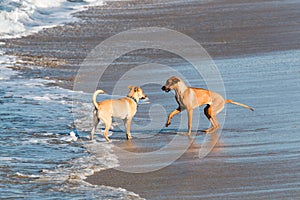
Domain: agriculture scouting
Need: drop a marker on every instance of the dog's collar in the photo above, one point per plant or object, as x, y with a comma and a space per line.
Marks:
133, 99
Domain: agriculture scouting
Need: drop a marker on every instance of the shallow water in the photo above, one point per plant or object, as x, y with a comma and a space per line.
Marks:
39, 159
256, 155
257, 151
260, 149
269, 84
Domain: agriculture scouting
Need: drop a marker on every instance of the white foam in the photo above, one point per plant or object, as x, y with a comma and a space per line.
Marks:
23, 17
71, 137
21, 175
34, 141
47, 3
100, 157
2, 159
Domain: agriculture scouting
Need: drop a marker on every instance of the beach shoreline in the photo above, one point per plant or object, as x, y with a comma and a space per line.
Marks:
224, 29
227, 29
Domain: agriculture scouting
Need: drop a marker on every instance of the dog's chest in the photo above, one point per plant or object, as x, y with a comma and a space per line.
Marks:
180, 100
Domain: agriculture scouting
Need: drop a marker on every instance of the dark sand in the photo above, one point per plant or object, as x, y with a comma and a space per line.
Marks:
223, 28
226, 29
192, 178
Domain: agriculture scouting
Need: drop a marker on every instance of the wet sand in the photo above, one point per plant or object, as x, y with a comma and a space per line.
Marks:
257, 155
211, 178
223, 28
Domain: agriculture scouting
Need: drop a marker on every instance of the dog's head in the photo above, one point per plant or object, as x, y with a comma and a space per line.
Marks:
136, 92
170, 84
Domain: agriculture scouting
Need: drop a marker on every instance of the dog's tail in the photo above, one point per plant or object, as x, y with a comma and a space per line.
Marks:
239, 104
95, 97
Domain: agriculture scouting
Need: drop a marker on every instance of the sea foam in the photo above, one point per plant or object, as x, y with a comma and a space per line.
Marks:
23, 17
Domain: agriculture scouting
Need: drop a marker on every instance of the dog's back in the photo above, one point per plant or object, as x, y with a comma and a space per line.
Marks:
118, 108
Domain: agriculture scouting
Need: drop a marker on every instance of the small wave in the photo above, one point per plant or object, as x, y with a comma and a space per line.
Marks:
99, 157
2, 159
22, 17
5, 62
36, 148
20, 175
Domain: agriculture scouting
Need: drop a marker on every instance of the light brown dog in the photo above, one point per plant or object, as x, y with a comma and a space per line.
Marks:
190, 98
123, 108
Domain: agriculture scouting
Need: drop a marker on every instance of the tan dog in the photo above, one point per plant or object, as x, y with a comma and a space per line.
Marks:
123, 108
190, 98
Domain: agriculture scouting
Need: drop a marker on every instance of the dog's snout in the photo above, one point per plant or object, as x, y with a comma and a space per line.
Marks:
164, 88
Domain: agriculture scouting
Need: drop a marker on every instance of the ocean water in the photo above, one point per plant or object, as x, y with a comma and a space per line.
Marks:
23, 17
38, 157
40, 160
268, 82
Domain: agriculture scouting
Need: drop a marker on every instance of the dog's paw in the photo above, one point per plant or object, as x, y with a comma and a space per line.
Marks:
206, 131
167, 124
129, 137
210, 130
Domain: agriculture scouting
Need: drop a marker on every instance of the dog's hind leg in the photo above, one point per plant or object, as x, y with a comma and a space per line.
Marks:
215, 123
207, 112
211, 112
96, 122
211, 116
107, 121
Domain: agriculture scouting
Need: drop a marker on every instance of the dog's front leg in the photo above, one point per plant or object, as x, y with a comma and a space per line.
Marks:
171, 115
127, 123
190, 121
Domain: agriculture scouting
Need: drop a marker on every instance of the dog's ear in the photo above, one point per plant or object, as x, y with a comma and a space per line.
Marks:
130, 87
135, 89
